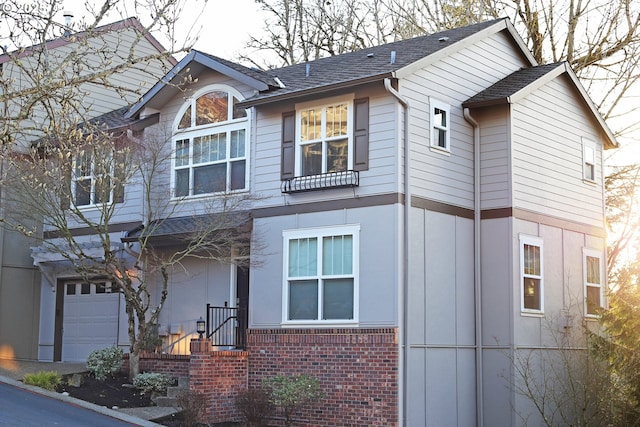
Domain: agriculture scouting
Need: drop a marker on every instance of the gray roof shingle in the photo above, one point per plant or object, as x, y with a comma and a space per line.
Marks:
510, 85
371, 63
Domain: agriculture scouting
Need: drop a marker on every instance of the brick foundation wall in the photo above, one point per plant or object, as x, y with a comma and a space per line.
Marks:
357, 369
220, 376
174, 365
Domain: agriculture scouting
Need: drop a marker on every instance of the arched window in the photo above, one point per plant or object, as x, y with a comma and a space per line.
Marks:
210, 144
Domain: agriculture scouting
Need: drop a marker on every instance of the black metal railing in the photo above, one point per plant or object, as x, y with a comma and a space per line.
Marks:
321, 182
226, 326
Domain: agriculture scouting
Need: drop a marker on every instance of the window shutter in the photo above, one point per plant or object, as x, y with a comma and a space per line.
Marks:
361, 134
287, 170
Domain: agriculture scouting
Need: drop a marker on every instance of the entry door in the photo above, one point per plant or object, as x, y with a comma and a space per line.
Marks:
90, 319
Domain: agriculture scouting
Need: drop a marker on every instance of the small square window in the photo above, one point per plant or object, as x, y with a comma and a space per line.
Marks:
71, 289
85, 289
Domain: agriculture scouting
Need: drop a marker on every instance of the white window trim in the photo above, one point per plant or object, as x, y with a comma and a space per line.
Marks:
319, 233
433, 104
588, 146
92, 193
533, 241
595, 254
195, 131
327, 102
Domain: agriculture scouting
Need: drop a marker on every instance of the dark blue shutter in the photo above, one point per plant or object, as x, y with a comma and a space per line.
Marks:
287, 169
361, 134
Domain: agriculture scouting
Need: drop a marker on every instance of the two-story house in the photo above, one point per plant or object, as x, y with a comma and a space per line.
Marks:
91, 64
425, 208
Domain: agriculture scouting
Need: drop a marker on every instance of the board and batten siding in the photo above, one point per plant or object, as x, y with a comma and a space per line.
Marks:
548, 127
380, 178
448, 178
441, 321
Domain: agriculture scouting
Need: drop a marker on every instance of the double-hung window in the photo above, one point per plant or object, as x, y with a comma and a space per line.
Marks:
321, 275
593, 281
440, 125
210, 146
531, 274
97, 178
325, 141
325, 144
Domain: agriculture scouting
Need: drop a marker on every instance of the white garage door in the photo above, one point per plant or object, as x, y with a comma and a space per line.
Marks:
90, 319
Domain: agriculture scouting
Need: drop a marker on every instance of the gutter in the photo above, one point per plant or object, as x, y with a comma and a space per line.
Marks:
477, 265
402, 344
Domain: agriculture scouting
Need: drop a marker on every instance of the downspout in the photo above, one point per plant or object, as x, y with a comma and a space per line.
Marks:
476, 265
405, 279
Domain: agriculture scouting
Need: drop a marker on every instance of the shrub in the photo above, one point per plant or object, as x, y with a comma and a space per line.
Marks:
105, 362
192, 404
150, 382
48, 380
292, 393
254, 405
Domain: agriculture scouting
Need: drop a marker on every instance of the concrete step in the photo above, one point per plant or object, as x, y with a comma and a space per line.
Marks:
164, 401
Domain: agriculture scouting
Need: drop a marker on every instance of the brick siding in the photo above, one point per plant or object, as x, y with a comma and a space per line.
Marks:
357, 369
174, 365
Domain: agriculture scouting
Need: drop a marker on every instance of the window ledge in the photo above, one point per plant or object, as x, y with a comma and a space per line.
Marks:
321, 182
320, 324
532, 313
440, 150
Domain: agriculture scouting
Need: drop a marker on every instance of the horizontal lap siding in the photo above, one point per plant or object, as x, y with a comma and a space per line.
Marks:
454, 79
494, 158
548, 127
380, 178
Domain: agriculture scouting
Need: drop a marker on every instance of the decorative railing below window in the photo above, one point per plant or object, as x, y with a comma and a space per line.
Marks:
321, 182
226, 326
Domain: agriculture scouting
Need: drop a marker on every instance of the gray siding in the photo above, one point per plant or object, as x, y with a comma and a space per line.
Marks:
547, 156
380, 178
454, 79
379, 263
441, 316
495, 184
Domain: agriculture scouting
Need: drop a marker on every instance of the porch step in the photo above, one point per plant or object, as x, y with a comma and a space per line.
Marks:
171, 399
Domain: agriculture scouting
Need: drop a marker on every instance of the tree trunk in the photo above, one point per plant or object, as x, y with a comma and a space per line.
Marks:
134, 364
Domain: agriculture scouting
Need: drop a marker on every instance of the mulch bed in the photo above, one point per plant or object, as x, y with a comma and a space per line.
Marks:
114, 391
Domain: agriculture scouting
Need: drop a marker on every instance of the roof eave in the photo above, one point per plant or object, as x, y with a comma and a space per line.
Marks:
247, 103
195, 56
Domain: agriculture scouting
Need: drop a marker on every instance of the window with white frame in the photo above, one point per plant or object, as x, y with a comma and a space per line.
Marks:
440, 125
321, 275
210, 145
589, 160
324, 143
531, 273
593, 282
97, 178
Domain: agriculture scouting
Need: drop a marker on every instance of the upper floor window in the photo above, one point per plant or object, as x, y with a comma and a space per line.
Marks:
97, 179
440, 125
531, 272
321, 275
326, 140
593, 281
210, 145
589, 160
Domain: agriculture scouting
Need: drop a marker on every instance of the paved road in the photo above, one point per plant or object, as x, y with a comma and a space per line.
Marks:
23, 408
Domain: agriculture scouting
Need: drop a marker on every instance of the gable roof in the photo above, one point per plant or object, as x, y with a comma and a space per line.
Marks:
190, 67
73, 38
379, 62
519, 84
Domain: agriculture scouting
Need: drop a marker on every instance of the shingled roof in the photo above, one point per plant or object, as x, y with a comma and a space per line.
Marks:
501, 91
522, 82
366, 65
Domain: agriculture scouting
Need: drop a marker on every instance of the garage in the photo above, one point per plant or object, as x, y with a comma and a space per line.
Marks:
90, 319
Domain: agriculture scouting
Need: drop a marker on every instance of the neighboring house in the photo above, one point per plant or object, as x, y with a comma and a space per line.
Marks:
426, 208
27, 298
